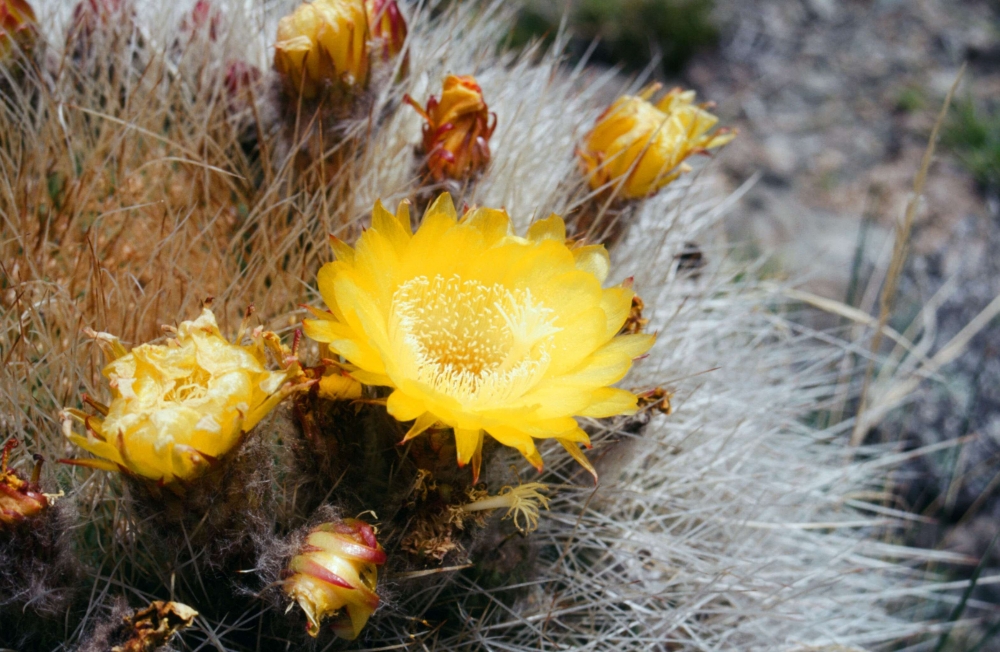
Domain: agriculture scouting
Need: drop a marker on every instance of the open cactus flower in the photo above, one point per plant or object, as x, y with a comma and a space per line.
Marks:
637, 147
178, 407
335, 574
479, 329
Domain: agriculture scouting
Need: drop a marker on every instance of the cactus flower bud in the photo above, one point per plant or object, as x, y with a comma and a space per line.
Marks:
323, 43
387, 26
18, 28
643, 145
20, 499
177, 408
335, 572
240, 78
458, 129
204, 18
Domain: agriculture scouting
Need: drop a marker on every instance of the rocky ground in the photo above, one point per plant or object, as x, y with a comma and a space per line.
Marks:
835, 100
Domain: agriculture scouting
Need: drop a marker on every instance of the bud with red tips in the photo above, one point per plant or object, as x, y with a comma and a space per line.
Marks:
20, 499
204, 18
240, 78
18, 28
388, 28
335, 574
89, 15
94, 17
457, 133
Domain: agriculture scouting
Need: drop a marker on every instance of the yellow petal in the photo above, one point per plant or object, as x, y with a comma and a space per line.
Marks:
466, 443
403, 407
442, 206
491, 223
578, 455
422, 423
549, 228
324, 330
593, 259
386, 224
609, 402
616, 303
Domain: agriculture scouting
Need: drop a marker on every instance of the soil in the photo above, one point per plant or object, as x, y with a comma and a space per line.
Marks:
835, 101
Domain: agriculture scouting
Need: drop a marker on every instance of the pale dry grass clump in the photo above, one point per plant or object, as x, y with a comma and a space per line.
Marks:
132, 190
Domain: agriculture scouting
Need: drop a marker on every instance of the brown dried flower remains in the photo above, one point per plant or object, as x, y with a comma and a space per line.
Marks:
152, 627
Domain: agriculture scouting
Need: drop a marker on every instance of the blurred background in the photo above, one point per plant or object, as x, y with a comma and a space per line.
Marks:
835, 101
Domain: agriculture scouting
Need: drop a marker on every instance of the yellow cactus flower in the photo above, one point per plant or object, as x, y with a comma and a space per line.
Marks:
178, 407
479, 329
20, 499
18, 27
457, 130
388, 26
323, 43
336, 571
642, 146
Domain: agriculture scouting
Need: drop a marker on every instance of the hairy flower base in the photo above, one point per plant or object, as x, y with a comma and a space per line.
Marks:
479, 329
177, 408
636, 148
336, 571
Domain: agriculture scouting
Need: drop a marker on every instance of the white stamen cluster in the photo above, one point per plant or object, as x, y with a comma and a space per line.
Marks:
474, 342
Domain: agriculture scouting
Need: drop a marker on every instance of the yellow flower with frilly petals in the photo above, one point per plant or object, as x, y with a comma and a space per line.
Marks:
18, 27
323, 42
176, 408
479, 329
644, 145
336, 571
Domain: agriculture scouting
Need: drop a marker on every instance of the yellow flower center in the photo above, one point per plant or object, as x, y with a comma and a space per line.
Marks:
192, 389
471, 341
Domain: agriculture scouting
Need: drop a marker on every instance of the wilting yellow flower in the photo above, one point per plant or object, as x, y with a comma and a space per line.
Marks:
646, 144
20, 499
18, 27
336, 571
388, 26
178, 407
457, 133
323, 42
479, 329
